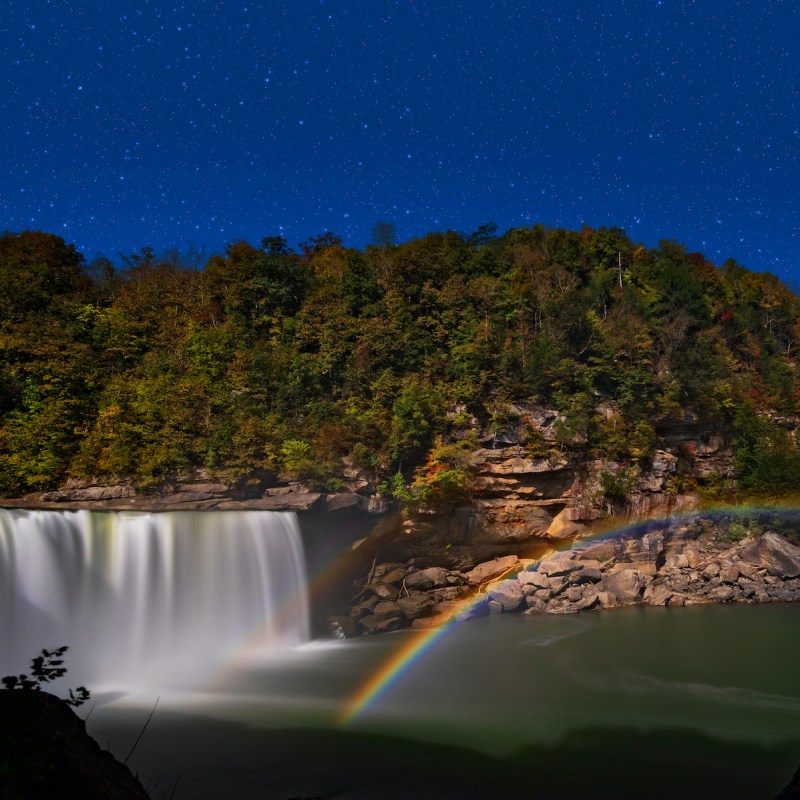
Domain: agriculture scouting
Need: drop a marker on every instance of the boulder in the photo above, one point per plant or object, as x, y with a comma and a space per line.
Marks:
385, 591
722, 594
776, 554
416, 604
588, 602
657, 595
606, 599
560, 564
535, 606
586, 574
379, 624
489, 569
495, 607
625, 585
537, 579
728, 573
430, 578
507, 593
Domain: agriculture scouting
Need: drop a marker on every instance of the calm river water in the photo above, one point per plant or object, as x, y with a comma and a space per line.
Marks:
641, 702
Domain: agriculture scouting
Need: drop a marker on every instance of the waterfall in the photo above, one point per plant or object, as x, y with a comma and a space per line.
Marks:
147, 598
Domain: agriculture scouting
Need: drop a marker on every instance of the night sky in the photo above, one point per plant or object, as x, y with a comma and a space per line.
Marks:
160, 124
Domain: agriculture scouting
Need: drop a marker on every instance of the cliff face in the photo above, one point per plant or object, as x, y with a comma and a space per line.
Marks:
525, 505
522, 502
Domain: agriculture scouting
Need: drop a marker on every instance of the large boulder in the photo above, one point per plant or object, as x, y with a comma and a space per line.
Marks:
560, 564
625, 585
416, 604
508, 594
489, 569
430, 578
776, 554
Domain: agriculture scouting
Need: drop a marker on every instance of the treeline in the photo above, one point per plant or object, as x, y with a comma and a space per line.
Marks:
269, 360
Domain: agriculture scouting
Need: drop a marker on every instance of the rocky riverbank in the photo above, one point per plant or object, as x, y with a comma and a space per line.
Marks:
671, 566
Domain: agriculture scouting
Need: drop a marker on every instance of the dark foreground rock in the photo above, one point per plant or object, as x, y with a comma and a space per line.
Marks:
46, 754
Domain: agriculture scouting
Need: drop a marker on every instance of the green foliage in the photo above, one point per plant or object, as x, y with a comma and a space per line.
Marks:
766, 458
615, 486
310, 362
45, 668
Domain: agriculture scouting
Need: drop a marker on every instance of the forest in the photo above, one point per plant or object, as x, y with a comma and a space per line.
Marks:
300, 363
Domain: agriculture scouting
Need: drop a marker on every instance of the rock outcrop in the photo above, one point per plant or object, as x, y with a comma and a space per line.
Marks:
667, 566
46, 753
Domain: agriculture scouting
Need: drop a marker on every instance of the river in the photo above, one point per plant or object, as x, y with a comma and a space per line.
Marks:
640, 702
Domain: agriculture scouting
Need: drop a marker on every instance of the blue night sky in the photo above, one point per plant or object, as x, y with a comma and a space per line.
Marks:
161, 124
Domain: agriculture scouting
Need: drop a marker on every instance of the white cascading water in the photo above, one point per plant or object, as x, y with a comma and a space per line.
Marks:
148, 598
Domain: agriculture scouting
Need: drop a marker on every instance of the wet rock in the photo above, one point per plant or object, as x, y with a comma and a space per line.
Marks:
677, 600
535, 606
777, 555
783, 595
495, 607
379, 624
588, 602
606, 599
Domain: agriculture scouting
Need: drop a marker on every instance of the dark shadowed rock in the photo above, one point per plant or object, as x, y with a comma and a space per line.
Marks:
589, 574
416, 604
430, 578
45, 753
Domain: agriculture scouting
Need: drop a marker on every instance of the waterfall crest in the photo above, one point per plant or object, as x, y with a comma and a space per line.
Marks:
141, 597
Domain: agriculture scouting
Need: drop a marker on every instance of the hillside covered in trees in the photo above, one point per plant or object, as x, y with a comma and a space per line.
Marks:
269, 361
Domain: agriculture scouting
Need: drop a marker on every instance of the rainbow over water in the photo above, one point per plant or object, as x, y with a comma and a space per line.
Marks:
414, 649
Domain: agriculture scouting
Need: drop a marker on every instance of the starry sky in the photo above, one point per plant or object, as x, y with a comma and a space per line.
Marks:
127, 124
